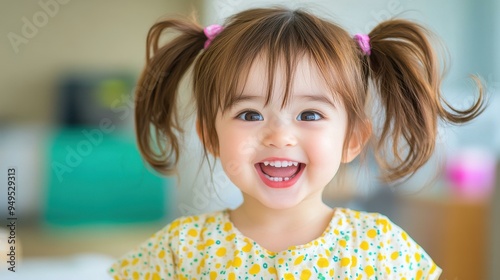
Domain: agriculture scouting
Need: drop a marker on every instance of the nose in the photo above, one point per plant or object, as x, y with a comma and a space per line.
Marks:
279, 133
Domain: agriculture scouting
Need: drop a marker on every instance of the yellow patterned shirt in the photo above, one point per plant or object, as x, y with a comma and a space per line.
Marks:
356, 245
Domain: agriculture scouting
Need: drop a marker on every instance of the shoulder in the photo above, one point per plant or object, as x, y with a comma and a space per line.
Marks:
196, 221
189, 229
356, 215
388, 246
374, 227
162, 249
195, 226
373, 224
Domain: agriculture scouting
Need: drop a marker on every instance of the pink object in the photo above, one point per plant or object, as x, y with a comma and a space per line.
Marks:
211, 32
471, 173
364, 43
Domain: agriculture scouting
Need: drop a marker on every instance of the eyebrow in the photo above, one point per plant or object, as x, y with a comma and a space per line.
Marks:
242, 98
317, 98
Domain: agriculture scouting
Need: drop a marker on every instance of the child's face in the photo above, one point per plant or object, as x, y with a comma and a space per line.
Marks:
310, 130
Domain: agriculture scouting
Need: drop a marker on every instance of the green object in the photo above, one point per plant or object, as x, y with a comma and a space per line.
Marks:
96, 175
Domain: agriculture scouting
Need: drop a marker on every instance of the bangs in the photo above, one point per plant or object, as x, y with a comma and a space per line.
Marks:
280, 39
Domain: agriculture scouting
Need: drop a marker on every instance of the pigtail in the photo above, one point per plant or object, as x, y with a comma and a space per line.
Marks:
156, 117
404, 68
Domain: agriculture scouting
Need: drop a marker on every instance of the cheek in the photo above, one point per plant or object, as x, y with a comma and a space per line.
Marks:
325, 148
236, 144
237, 148
228, 152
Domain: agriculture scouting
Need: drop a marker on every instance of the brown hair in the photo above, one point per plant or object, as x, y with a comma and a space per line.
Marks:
402, 66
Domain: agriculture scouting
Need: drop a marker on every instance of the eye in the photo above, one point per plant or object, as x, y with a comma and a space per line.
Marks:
250, 116
309, 116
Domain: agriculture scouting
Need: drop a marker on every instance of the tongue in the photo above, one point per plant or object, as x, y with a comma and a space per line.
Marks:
279, 171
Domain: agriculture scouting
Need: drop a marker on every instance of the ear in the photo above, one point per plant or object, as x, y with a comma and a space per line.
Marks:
357, 141
204, 142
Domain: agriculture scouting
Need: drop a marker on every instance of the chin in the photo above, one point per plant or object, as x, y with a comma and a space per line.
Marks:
280, 202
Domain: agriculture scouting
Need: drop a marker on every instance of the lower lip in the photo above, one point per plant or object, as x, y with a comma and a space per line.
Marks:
282, 184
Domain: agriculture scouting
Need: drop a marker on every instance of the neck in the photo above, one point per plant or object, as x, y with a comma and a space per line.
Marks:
258, 215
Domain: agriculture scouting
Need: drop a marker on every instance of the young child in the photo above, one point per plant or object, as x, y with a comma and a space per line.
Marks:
281, 99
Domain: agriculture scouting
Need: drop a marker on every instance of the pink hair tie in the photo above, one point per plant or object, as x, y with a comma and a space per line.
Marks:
211, 32
364, 43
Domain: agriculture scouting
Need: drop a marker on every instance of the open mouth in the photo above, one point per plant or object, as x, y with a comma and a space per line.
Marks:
280, 174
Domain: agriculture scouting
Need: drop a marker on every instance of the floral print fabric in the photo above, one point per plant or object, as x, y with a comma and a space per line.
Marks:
356, 245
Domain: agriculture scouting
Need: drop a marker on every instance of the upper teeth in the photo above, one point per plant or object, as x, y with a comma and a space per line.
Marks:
278, 163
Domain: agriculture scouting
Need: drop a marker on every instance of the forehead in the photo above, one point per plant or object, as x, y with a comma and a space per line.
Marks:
301, 76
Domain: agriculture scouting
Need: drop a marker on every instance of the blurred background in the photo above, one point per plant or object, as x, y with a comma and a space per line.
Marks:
85, 197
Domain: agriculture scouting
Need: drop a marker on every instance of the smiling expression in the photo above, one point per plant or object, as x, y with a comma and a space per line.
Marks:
282, 156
